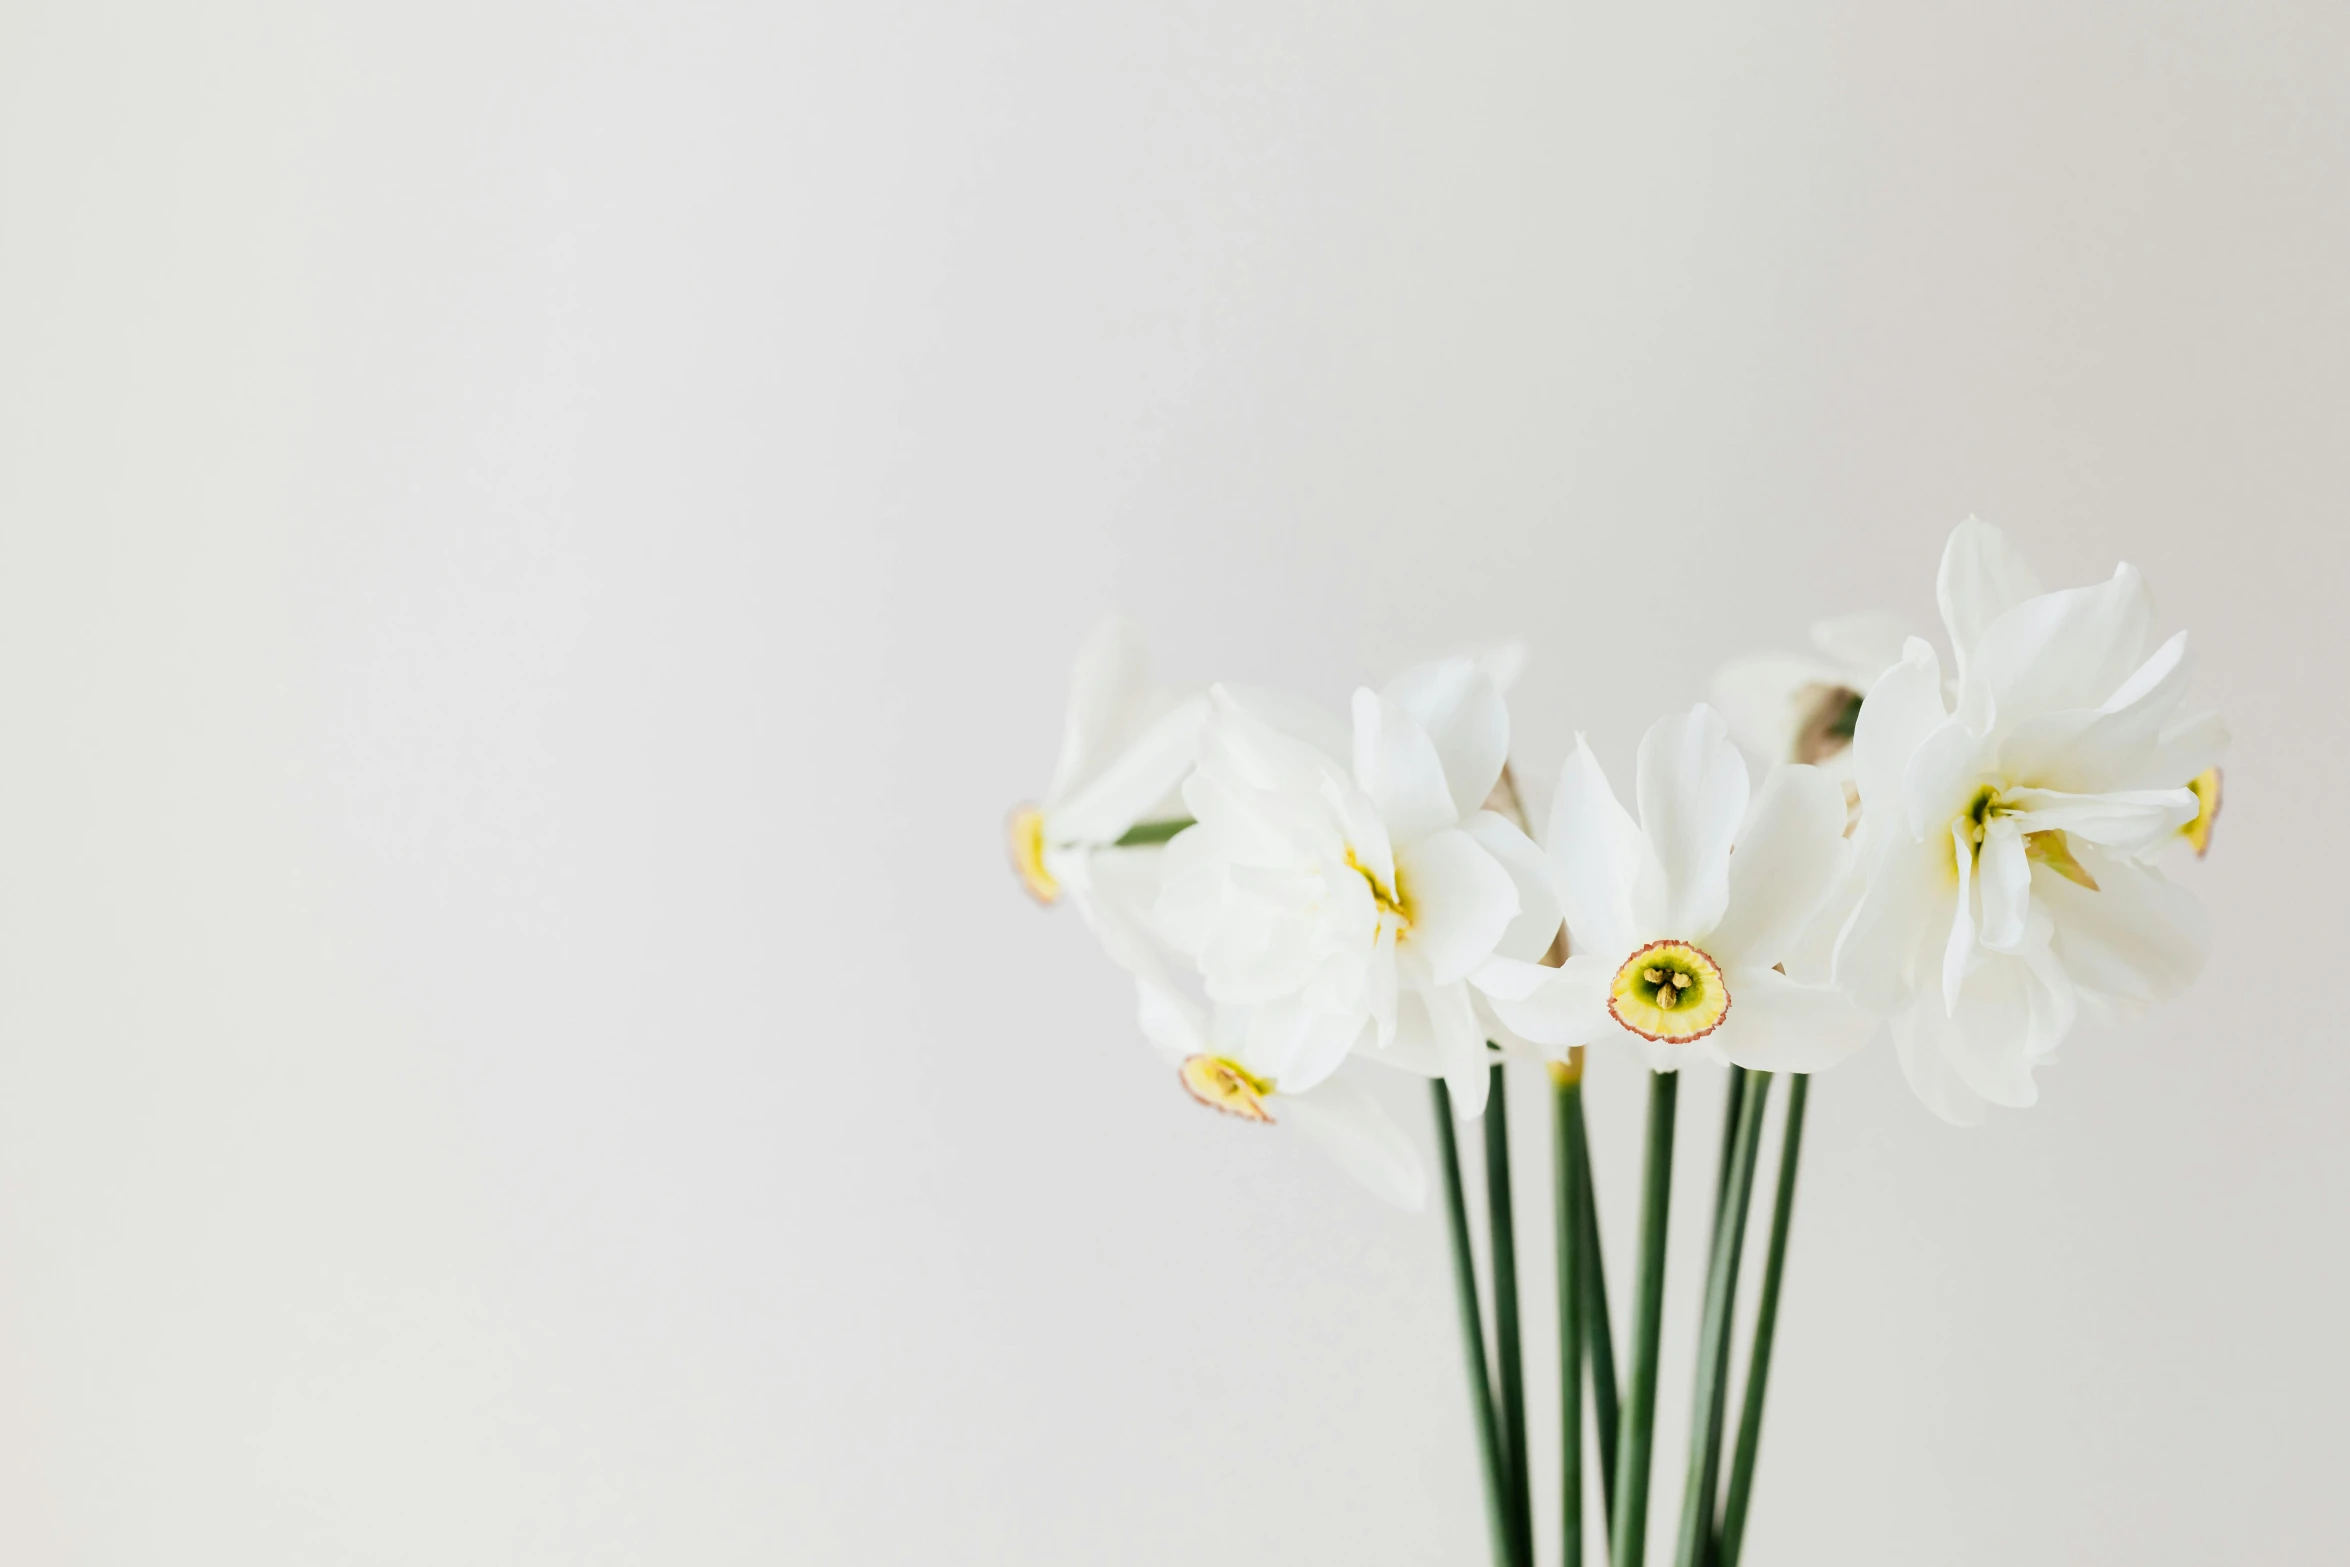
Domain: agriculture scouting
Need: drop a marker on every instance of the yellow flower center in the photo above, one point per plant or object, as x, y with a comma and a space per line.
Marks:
2198, 831
1024, 837
2048, 847
1227, 1086
1392, 902
1669, 991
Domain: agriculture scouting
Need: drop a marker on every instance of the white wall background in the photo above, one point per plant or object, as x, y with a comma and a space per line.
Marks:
537, 542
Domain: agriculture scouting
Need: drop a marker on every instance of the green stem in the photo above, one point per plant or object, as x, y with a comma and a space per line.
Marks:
1648, 1314
1730, 1106
1758, 1370
1567, 1157
1464, 1278
1721, 1296
1736, 1097
1599, 1337
1151, 832
1509, 1356
1731, 1103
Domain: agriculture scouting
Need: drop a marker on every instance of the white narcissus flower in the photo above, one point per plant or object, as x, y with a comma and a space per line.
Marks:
1339, 1113
1340, 905
1675, 940
1796, 707
2008, 838
1125, 749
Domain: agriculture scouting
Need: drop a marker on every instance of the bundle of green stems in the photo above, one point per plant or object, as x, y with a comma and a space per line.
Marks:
1623, 1416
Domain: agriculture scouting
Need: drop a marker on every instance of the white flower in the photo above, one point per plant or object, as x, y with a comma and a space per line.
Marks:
1125, 749
1335, 907
1675, 939
1795, 707
2008, 841
1339, 1113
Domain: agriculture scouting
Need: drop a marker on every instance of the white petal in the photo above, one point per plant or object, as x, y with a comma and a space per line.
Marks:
1170, 1021
1461, 1045
1789, 854
1918, 1033
1367, 842
1109, 684
2055, 998
1596, 857
1500, 1035
1117, 891
1763, 698
2158, 683
1692, 786
1898, 925
1777, 1025
2072, 648
2140, 937
2127, 820
1395, 763
1529, 935
1943, 773
2114, 746
2189, 746
1382, 986
1307, 723
1863, 645
1347, 1123
1191, 890
1812, 959
1415, 1047
1502, 663
1899, 712
1262, 792
1297, 1046
1559, 1007
1461, 901
1982, 578
1999, 1030
1959, 955
1132, 782
2007, 884
1462, 713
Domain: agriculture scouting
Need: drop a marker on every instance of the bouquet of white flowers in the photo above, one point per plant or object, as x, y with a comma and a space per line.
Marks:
1967, 859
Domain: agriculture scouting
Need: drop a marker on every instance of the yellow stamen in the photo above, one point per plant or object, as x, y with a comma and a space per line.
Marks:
1972, 826
2055, 851
1391, 900
1024, 836
2198, 831
1669, 991
1227, 1086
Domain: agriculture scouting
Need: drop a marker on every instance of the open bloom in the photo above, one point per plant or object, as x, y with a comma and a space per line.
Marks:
1338, 905
1796, 707
1675, 940
2009, 838
1125, 748
1207, 1046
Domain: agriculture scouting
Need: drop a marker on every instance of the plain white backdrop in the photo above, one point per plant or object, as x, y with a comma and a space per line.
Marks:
537, 543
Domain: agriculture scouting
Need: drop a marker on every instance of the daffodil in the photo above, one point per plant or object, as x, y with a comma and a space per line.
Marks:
1209, 1047
1676, 942
1797, 707
1115, 794
1340, 905
2009, 836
